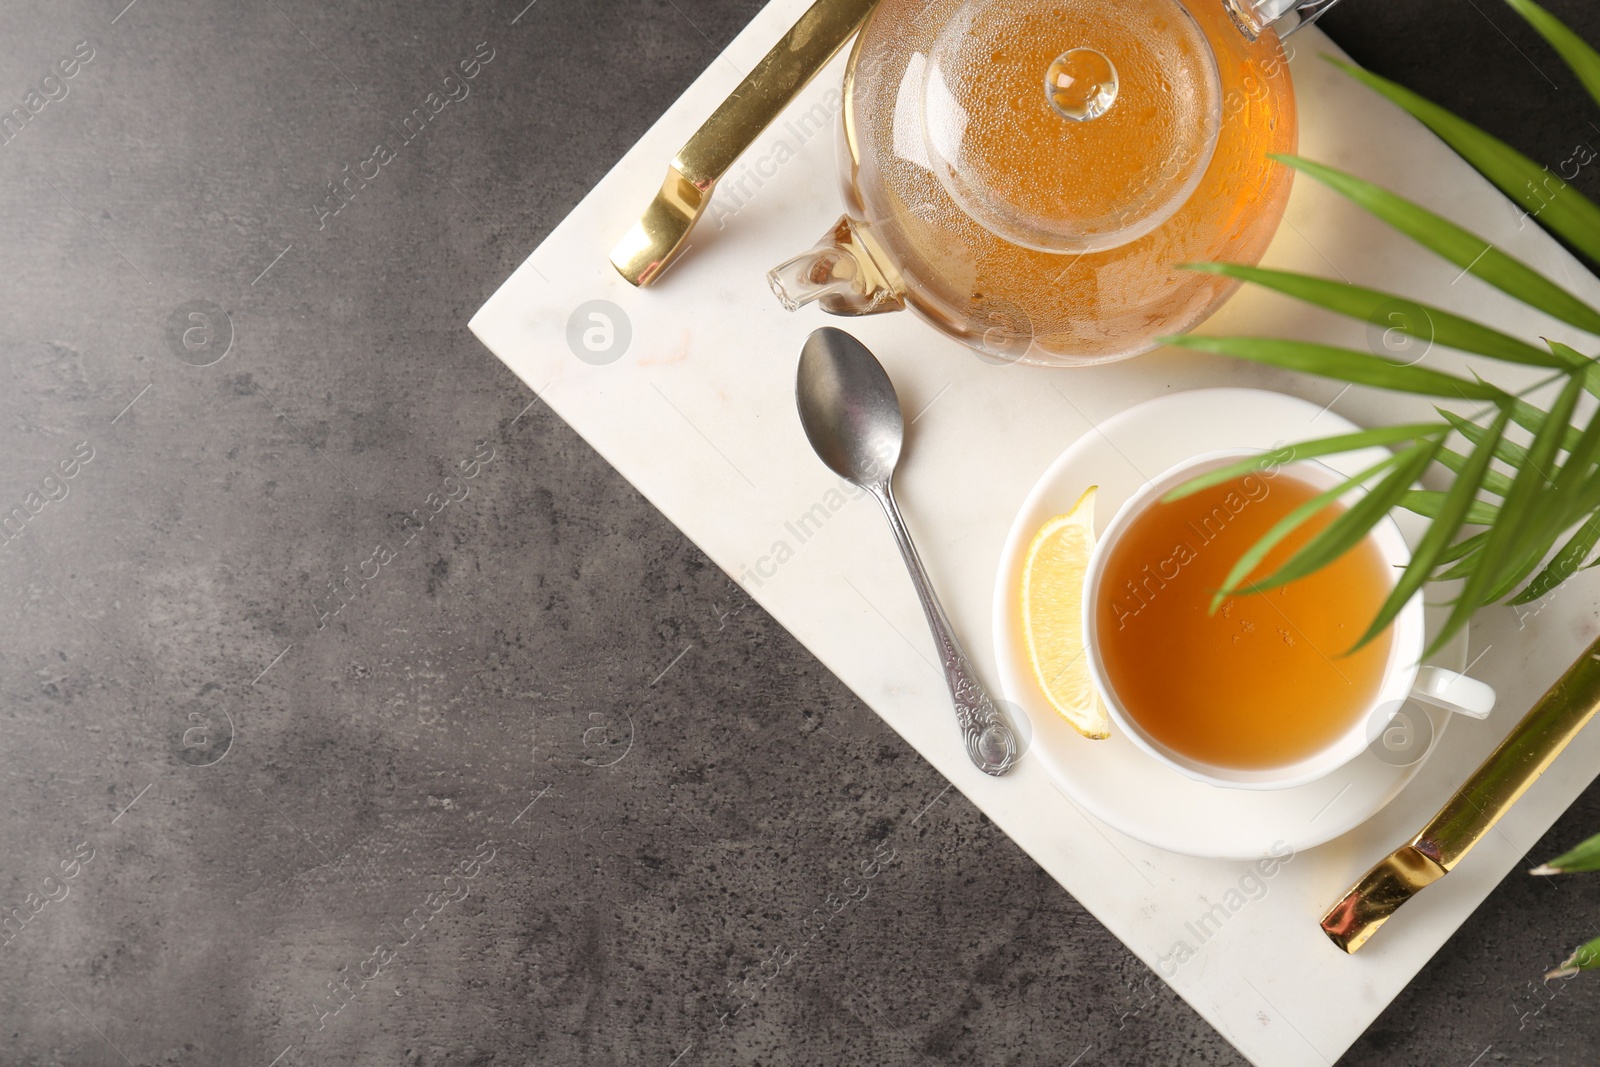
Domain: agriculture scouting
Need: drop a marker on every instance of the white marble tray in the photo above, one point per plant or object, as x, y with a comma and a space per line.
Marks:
697, 411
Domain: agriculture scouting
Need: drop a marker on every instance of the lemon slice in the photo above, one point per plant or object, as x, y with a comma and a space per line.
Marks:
1052, 616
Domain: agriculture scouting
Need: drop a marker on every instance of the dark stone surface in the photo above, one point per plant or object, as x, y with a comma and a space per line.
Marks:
670, 786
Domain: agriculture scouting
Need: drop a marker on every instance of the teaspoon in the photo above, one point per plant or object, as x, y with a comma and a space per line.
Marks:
852, 416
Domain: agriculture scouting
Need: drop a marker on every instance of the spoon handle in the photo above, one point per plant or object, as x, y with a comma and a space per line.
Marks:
990, 741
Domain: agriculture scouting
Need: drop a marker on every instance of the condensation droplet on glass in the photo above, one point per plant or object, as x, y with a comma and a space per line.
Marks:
1081, 84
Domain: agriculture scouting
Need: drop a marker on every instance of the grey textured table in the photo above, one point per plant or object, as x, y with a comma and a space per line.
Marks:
355, 712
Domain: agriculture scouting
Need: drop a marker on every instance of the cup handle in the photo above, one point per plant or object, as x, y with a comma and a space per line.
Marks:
1454, 692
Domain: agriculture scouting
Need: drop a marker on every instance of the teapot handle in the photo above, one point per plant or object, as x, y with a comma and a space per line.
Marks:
1287, 16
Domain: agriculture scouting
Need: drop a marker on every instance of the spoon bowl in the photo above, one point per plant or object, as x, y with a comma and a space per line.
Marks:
849, 408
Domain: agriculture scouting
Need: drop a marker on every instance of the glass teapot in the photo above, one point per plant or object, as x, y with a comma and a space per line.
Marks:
1029, 175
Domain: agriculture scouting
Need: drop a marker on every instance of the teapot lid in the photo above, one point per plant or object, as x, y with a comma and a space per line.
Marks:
1071, 125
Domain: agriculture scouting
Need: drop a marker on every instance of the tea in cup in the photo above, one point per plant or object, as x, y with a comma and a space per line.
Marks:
1265, 692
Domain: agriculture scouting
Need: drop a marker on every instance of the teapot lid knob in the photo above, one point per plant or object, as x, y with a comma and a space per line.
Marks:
1070, 125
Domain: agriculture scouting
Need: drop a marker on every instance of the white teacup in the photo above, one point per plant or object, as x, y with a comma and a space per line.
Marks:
1403, 679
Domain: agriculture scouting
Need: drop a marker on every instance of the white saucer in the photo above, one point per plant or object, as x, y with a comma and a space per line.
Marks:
1113, 779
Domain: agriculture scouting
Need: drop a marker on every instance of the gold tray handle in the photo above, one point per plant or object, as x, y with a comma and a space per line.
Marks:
1474, 809
661, 235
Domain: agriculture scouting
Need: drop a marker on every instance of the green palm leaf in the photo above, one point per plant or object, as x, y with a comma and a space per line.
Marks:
1508, 452
1430, 505
1585, 857
1575, 476
1324, 446
1557, 506
1586, 957
1533, 420
1511, 541
1289, 524
1368, 305
1355, 522
1463, 248
1464, 566
1568, 214
1575, 52
1348, 365
1493, 481
1454, 508
1566, 563
1459, 551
